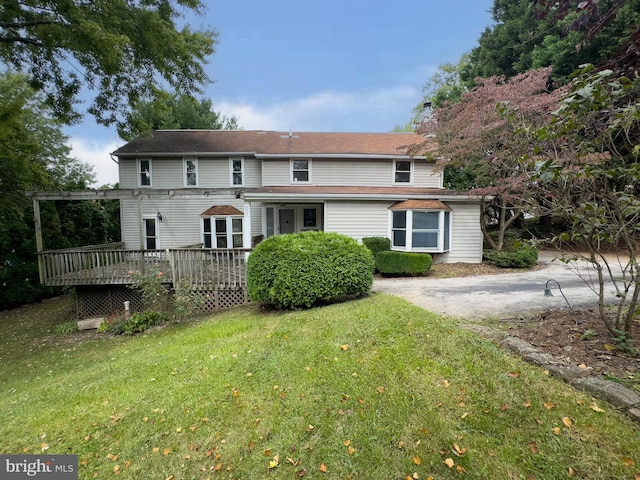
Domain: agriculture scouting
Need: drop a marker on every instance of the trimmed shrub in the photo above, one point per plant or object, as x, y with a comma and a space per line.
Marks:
403, 263
521, 255
377, 244
303, 269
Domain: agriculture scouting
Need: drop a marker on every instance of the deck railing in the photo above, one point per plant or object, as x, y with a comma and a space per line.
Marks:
195, 268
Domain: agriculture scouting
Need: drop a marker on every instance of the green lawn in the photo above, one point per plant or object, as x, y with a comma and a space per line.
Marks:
371, 389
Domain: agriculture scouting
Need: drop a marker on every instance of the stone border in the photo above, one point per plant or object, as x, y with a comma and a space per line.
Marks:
612, 392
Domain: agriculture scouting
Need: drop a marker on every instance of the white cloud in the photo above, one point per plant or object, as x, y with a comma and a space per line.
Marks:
369, 111
96, 153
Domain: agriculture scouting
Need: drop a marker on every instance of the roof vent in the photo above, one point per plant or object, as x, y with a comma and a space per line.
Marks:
290, 135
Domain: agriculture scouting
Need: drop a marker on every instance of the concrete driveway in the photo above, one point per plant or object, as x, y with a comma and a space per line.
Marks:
502, 295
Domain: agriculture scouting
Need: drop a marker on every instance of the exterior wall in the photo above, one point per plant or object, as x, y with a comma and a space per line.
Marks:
466, 235
348, 172
213, 172
357, 219
180, 224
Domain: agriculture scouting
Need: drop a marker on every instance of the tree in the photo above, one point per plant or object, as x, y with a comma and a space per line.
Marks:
607, 30
34, 155
477, 141
174, 111
588, 165
118, 49
445, 85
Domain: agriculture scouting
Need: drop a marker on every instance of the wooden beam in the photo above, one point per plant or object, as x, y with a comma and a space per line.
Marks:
39, 243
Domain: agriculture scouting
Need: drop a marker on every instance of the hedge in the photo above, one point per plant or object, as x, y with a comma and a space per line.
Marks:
303, 269
521, 255
403, 263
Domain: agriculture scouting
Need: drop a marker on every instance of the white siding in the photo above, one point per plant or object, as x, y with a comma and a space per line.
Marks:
169, 173
466, 236
357, 219
180, 224
349, 172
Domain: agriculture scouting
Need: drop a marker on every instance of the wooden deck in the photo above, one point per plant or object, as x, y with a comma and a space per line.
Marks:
192, 268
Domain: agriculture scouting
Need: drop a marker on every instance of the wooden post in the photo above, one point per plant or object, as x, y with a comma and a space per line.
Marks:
39, 243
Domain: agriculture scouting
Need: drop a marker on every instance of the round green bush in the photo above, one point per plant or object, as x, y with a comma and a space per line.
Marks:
521, 255
303, 269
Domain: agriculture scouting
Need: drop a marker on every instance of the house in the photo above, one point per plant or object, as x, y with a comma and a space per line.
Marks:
232, 188
194, 202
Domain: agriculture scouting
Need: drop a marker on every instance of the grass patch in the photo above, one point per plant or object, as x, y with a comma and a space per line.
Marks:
370, 389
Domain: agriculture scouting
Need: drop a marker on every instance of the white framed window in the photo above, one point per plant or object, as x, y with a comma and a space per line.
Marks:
190, 172
150, 227
300, 170
403, 171
421, 230
222, 232
144, 173
236, 171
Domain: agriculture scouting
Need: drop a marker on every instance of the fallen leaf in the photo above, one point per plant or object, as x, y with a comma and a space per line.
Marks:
345, 347
417, 460
275, 462
127, 464
458, 451
514, 374
267, 452
596, 408
322, 468
570, 472
504, 407
116, 469
380, 389
445, 383
609, 347
533, 447
556, 430
302, 472
351, 450
549, 405
449, 462
347, 443
627, 461
424, 431
166, 451
566, 421
527, 403
156, 449
217, 468
460, 469
583, 366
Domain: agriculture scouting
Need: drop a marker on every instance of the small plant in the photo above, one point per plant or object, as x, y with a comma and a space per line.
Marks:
67, 328
624, 344
113, 324
589, 334
140, 321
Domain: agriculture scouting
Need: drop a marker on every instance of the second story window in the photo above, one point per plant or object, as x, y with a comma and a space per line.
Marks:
191, 173
300, 171
237, 171
402, 171
144, 173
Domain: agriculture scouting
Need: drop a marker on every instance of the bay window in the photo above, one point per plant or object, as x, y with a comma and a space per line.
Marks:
222, 232
420, 231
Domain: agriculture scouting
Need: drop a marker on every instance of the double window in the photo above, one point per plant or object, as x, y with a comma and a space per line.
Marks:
222, 232
300, 170
421, 231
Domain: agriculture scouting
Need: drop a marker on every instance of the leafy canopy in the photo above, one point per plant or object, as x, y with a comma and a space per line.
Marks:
174, 111
117, 49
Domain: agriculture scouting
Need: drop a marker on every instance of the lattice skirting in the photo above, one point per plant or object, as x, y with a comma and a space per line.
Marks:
106, 300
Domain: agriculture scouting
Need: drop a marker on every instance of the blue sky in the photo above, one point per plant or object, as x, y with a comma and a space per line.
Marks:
350, 65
